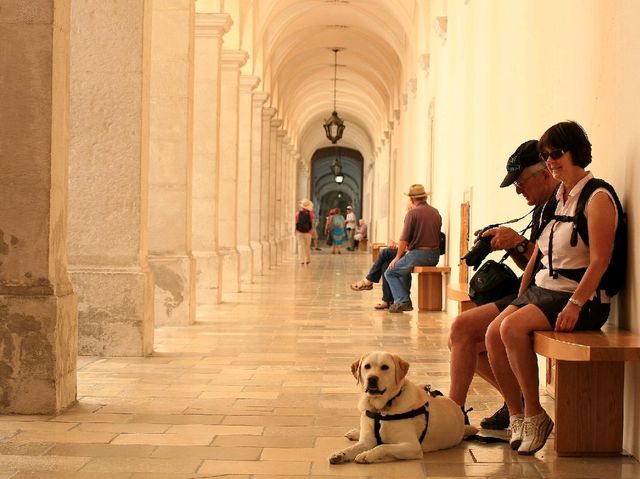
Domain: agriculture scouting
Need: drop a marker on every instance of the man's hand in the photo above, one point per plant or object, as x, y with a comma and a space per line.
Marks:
503, 238
393, 263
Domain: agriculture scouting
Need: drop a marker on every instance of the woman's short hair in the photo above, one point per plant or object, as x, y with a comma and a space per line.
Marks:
568, 136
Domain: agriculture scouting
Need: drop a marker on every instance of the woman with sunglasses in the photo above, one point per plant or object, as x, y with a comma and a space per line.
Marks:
553, 301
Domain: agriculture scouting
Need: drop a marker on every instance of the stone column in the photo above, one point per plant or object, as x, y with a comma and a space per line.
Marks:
170, 162
282, 139
273, 200
288, 209
38, 309
232, 60
265, 181
247, 190
108, 169
257, 207
210, 27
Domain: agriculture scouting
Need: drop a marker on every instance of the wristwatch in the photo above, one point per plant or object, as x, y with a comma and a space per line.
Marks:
522, 246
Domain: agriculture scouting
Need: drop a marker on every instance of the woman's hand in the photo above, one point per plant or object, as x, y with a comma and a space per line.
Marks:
568, 317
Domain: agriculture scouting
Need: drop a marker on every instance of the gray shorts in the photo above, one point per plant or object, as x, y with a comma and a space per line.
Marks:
592, 316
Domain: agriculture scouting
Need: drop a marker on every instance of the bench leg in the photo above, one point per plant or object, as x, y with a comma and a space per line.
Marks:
589, 407
430, 291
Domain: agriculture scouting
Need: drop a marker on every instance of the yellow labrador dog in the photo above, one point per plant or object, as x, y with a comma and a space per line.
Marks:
399, 420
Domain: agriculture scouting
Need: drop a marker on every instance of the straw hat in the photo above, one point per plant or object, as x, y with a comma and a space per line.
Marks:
416, 191
307, 204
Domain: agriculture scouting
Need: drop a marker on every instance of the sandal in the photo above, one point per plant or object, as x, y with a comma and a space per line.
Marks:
382, 305
361, 286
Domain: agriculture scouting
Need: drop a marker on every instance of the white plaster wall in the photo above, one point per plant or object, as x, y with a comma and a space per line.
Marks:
504, 73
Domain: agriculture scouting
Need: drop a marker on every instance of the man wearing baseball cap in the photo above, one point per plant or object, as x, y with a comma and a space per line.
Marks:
532, 180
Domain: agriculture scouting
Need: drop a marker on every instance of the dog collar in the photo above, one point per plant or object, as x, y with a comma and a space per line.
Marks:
390, 401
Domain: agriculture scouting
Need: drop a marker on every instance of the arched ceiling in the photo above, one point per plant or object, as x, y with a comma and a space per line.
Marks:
294, 41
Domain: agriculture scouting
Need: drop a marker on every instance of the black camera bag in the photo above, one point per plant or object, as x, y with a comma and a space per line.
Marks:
492, 281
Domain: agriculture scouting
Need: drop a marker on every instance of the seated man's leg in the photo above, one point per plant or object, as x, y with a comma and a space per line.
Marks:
397, 279
385, 256
466, 342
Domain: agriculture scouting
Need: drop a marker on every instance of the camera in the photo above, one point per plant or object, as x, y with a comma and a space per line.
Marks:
479, 251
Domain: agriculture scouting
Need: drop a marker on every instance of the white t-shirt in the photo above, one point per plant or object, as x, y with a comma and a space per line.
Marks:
351, 220
566, 256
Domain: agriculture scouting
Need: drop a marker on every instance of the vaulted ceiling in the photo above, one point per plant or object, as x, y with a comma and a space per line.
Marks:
293, 40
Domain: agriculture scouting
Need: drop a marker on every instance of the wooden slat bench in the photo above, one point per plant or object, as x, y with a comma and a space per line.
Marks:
589, 388
430, 279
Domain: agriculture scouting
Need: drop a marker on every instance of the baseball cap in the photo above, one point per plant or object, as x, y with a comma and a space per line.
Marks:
525, 155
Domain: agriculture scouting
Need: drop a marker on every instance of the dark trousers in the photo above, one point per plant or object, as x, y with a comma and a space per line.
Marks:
385, 256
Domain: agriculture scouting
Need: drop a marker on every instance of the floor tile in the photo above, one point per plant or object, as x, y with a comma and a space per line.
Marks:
261, 388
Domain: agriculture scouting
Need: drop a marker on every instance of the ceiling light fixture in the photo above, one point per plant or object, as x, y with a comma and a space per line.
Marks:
334, 126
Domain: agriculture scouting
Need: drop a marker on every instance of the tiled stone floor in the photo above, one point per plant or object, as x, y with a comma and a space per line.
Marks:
261, 388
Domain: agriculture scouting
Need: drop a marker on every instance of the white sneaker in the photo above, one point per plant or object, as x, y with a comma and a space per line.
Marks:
535, 431
515, 425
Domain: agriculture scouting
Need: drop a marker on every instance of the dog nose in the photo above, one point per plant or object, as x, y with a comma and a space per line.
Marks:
372, 381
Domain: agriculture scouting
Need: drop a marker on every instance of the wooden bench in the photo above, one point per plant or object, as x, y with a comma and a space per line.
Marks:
363, 245
430, 279
375, 250
460, 292
588, 383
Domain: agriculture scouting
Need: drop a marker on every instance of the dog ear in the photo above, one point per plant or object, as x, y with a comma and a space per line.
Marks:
402, 367
355, 370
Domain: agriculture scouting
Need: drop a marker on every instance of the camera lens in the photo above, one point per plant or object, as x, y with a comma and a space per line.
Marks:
478, 252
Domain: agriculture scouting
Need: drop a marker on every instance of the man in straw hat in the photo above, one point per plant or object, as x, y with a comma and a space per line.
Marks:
304, 225
418, 246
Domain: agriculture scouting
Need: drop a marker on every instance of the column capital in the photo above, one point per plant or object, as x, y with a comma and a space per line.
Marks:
248, 82
234, 58
269, 112
259, 97
275, 123
281, 131
212, 24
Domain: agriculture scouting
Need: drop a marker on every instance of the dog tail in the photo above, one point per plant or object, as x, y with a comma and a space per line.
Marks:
469, 430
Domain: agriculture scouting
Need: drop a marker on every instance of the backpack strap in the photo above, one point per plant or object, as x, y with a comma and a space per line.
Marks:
580, 227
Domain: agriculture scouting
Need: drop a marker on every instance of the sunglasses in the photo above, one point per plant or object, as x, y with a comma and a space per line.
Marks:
554, 154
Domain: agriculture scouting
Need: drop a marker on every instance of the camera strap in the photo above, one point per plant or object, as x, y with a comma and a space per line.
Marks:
495, 225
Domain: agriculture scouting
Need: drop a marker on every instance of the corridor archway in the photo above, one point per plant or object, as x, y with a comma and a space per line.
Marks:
326, 192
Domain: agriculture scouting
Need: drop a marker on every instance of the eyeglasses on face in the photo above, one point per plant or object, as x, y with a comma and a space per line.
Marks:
521, 181
554, 154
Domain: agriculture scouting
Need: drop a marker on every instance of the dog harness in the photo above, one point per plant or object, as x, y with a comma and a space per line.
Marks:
378, 418
424, 409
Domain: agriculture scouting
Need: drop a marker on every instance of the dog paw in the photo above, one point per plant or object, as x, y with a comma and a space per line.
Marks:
364, 458
353, 434
337, 458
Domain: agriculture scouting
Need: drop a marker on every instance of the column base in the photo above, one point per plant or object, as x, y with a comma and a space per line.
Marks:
230, 269
245, 264
174, 290
266, 255
115, 313
256, 248
273, 254
208, 268
40, 342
